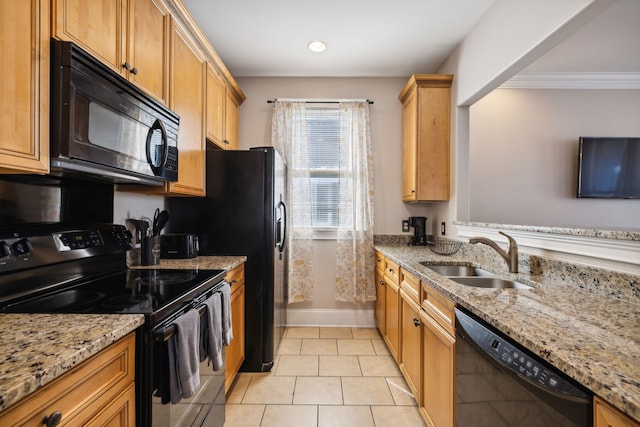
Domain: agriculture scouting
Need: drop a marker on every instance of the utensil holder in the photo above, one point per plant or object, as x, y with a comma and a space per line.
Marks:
150, 250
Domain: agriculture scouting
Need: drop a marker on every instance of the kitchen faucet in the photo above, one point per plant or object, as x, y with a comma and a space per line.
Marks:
510, 256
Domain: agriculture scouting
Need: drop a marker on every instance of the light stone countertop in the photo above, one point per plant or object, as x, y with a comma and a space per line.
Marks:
37, 348
593, 337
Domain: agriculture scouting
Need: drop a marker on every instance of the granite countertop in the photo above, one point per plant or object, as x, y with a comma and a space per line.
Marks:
37, 348
593, 338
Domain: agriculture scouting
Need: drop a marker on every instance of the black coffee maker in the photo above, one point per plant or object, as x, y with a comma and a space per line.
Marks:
419, 224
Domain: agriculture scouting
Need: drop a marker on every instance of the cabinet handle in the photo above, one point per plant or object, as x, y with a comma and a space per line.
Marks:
416, 322
381, 282
52, 420
134, 71
391, 270
226, 141
126, 66
233, 282
413, 191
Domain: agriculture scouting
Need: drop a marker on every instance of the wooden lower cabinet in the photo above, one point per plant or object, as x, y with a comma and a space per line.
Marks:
392, 317
605, 415
235, 350
437, 401
98, 392
410, 343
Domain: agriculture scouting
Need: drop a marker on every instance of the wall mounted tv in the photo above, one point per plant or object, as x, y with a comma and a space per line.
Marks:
609, 167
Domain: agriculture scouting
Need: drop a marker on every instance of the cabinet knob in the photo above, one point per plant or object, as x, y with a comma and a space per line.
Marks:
52, 420
416, 322
381, 282
391, 270
126, 66
134, 71
413, 191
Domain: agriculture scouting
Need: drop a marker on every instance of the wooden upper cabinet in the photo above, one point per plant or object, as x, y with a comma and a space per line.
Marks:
130, 36
187, 96
24, 41
223, 105
216, 98
426, 102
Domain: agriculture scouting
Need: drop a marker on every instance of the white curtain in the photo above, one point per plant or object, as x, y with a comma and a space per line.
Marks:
354, 251
289, 137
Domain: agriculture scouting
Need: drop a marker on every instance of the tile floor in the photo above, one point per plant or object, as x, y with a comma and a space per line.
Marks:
325, 377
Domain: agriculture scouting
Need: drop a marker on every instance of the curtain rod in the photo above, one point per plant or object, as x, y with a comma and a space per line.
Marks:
331, 101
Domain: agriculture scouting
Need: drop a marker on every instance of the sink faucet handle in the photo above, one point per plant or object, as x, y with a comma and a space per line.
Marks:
512, 241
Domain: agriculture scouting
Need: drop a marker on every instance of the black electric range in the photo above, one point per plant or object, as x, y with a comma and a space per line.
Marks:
53, 268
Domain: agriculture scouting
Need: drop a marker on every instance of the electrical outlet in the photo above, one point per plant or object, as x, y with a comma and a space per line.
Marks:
405, 225
443, 228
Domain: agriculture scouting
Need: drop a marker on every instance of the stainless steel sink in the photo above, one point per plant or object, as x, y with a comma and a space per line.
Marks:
490, 282
457, 270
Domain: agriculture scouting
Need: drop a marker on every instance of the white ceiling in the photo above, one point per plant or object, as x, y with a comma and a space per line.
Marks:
382, 38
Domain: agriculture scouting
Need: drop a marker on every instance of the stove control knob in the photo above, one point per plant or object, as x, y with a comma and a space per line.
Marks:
22, 247
5, 249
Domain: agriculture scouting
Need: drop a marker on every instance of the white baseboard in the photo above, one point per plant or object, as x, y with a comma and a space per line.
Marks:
358, 318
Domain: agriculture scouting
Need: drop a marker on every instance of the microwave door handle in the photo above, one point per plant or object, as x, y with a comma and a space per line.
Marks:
157, 125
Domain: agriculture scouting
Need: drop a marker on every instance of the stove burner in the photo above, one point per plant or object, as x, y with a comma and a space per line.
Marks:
159, 278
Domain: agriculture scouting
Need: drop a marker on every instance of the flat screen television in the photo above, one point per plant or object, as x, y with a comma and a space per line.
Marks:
609, 167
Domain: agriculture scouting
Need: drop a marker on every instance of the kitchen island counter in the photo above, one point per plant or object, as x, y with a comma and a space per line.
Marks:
37, 348
590, 331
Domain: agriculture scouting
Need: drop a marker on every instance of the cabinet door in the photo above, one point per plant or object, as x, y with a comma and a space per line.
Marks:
411, 358
380, 301
97, 26
409, 146
24, 41
392, 321
606, 415
120, 412
438, 370
235, 350
148, 48
216, 98
187, 100
231, 122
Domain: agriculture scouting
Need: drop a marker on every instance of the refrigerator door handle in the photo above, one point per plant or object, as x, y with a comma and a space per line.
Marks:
282, 227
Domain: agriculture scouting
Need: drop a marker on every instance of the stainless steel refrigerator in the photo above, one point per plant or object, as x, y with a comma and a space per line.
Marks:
244, 213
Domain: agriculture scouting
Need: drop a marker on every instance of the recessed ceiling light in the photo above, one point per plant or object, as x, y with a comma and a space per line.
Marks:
317, 46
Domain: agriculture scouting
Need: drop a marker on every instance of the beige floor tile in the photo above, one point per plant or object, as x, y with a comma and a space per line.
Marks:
318, 346
303, 333
290, 346
394, 416
355, 347
400, 391
292, 365
238, 388
270, 390
378, 366
335, 333
318, 391
339, 366
366, 391
365, 333
344, 416
290, 416
243, 415
380, 347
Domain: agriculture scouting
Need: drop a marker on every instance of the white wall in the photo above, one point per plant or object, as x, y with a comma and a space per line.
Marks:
386, 133
524, 156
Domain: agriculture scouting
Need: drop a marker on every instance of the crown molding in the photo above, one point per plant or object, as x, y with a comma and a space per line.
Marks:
573, 81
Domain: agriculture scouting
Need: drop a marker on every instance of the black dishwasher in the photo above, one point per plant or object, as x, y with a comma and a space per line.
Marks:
501, 384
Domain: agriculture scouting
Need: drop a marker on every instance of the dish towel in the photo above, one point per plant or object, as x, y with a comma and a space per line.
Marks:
227, 327
184, 360
212, 331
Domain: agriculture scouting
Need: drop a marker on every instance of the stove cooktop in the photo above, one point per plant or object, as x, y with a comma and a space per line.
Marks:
131, 291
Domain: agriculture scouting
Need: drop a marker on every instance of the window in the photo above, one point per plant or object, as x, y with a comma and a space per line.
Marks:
323, 132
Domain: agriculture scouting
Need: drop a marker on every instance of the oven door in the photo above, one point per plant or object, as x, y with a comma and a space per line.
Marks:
204, 407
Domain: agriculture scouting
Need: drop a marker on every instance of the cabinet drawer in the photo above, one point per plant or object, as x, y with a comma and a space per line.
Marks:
410, 284
439, 307
606, 415
235, 276
392, 271
80, 393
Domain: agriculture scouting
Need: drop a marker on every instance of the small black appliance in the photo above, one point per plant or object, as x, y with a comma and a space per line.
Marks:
419, 224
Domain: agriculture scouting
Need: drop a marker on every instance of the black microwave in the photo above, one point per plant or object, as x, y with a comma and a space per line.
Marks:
104, 127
